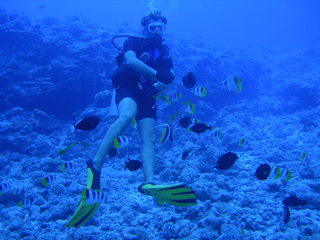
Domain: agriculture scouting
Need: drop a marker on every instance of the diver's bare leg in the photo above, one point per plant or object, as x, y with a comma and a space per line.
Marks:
127, 109
147, 132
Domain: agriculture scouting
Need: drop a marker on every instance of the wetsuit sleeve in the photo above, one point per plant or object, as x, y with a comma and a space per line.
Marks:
130, 44
168, 63
165, 73
165, 76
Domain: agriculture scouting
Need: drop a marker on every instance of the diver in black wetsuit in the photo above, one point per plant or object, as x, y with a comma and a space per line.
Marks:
144, 69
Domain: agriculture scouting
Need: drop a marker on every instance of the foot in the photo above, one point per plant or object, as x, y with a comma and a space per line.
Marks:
93, 176
177, 195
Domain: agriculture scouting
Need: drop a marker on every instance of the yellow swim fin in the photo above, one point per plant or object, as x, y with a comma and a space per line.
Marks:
176, 195
83, 213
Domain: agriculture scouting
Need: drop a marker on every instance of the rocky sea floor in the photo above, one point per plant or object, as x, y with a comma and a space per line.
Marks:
53, 74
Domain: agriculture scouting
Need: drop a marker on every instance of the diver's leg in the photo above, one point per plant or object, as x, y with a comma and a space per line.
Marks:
147, 132
127, 109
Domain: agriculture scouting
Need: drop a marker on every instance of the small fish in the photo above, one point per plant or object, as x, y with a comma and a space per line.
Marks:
189, 107
243, 142
42, 7
120, 142
63, 151
281, 173
113, 152
185, 154
165, 98
263, 171
158, 94
166, 134
200, 91
199, 128
68, 166
189, 80
5, 187
88, 123
226, 161
94, 196
49, 180
286, 175
163, 102
233, 83
26, 203
175, 97
174, 118
216, 133
275, 173
286, 214
305, 158
293, 201
185, 122
179, 114
133, 165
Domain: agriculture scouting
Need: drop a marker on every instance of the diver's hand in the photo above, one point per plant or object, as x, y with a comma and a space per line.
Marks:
165, 76
159, 86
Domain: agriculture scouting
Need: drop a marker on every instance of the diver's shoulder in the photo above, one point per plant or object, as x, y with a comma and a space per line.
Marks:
134, 40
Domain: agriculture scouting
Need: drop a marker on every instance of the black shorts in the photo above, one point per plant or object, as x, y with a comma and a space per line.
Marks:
126, 83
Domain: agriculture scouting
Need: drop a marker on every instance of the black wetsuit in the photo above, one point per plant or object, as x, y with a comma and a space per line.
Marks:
132, 84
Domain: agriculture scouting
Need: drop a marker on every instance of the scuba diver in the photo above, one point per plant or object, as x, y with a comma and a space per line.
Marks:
145, 68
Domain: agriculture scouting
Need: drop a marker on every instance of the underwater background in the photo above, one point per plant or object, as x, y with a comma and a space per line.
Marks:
56, 61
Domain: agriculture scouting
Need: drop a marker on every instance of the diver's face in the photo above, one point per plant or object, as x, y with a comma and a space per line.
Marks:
155, 28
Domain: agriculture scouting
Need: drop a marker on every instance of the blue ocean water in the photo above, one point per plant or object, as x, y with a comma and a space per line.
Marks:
56, 62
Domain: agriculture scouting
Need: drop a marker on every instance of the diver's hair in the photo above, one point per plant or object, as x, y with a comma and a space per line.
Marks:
155, 15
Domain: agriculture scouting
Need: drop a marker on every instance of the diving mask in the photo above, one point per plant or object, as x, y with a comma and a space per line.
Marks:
156, 27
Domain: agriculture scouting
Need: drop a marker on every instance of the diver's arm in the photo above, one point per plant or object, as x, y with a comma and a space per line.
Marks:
161, 78
136, 64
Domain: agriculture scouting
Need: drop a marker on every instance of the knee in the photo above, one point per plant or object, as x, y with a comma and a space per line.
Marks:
126, 118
